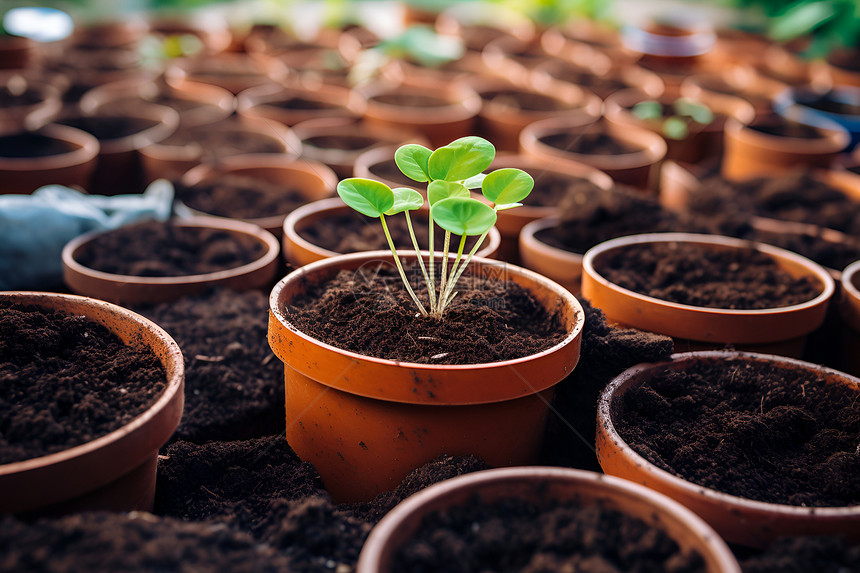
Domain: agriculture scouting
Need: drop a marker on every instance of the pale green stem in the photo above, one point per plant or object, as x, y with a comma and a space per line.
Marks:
452, 281
400, 267
443, 274
446, 300
430, 289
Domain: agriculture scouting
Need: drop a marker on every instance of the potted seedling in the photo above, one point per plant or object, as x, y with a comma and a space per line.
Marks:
419, 384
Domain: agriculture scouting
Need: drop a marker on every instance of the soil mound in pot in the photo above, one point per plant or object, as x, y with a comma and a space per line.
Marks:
823, 554
222, 139
370, 312
66, 381
555, 190
240, 197
136, 541
755, 430
28, 144
233, 383
519, 535
598, 143
167, 249
692, 274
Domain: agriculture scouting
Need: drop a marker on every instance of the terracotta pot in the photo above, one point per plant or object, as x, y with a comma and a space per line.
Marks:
564, 267
779, 330
751, 153
170, 158
313, 179
210, 28
73, 168
127, 289
110, 33
503, 115
570, 37
511, 222
113, 472
737, 80
849, 311
841, 66
737, 519
703, 143
119, 169
633, 169
514, 59
89, 68
598, 75
378, 164
22, 115
354, 417
477, 26
17, 52
450, 111
299, 251
540, 485
197, 103
349, 138
234, 72
673, 45
799, 102
271, 102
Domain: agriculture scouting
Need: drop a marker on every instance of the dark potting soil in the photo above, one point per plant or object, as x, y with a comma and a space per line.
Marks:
370, 312
410, 100
551, 189
222, 141
602, 85
753, 430
341, 142
388, 170
304, 104
781, 127
697, 275
821, 554
108, 127
796, 196
28, 144
353, 232
597, 143
166, 249
815, 246
523, 100
10, 97
66, 380
831, 102
519, 535
240, 197
136, 541
234, 384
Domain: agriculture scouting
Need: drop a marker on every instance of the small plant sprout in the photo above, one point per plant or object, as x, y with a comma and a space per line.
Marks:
676, 124
450, 172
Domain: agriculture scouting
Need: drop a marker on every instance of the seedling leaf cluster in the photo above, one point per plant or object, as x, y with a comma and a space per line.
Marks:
450, 172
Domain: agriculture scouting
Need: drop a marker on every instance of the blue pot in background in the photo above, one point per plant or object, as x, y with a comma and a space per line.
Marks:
840, 104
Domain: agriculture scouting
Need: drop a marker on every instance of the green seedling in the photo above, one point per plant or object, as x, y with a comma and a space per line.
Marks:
685, 113
450, 172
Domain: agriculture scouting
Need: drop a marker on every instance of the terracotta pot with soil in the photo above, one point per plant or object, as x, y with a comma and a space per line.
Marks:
849, 311
25, 104
759, 446
160, 261
379, 164
510, 519
706, 291
597, 75
234, 72
293, 104
185, 149
85, 415
122, 133
54, 154
507, 108
514, 59
773, 144
328, 227
553, 182
259, 189
629, 155
441, 113
693, 139
386, 396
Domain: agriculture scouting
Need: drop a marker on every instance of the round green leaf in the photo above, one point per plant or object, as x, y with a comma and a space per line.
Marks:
507, 185
648, 109
461, 159
405, 199
463, 216
412, 160
439, 190
366, 196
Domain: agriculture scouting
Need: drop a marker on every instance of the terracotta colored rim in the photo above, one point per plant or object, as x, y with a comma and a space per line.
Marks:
731, 510
88, 149
462, 103
297, 221
850, 303
255, 102
652, 147
831, 236
87, 281
724, 325
404, 520
462, 382
167, 120
835, 138
536, 254
113, 454
266, 165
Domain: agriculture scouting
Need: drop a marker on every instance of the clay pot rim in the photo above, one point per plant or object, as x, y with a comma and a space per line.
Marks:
167, 121
88, 149
850, 303
464, 104
297, 275
437, 495
250, 100
234, 226
334, 205
33, 115
653, 149
529, 239
579, 98
172, 391
339, 126
374, 156
628, 378
828, 285
836, 138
